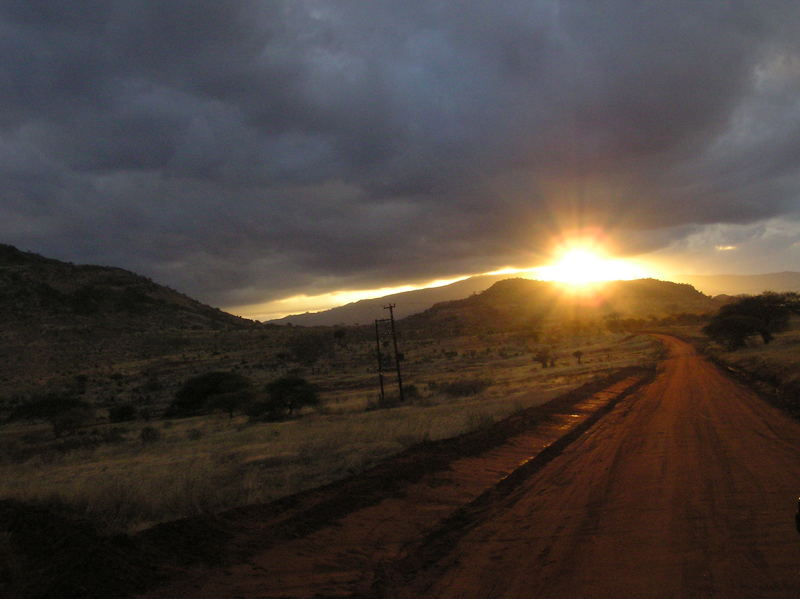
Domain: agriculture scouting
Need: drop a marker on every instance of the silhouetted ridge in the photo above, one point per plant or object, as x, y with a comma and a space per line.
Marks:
513, 303
35, 288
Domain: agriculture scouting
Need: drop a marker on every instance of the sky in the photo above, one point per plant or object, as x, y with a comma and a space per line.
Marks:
246, 152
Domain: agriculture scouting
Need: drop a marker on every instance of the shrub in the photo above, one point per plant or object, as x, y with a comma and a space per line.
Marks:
70, 420
65, 413
201, 393
411, 392
122, 413
475, 420
732, 331
89, 439
407, 440
308, 347
284, 396
230, 402
545, 357
150, 434
464, 387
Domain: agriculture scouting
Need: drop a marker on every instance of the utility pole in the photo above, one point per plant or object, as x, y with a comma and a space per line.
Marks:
379, 356
397, 355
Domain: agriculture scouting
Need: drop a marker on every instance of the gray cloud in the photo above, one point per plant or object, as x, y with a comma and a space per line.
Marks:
243, 151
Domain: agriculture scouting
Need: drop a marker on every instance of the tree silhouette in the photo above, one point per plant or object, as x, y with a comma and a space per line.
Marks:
759, 315
65, 413
544, 356
284, 396
220, 390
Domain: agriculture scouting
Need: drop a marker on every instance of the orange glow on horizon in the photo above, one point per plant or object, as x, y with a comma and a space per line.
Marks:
298, 304
579, 263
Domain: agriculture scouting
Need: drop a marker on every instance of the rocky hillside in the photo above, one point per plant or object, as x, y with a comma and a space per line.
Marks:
35, 289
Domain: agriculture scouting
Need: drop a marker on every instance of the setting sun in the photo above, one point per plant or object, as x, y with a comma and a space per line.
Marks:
580, 266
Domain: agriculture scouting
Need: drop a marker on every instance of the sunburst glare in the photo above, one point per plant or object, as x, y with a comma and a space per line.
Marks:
582, 266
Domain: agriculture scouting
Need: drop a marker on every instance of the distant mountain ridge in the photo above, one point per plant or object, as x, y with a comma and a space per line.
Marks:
742, 284
408, 302
44, 290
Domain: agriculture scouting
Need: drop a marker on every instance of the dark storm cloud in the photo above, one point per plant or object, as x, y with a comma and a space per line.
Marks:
245, 150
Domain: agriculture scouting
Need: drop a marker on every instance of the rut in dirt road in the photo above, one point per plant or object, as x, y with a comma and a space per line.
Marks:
686, 489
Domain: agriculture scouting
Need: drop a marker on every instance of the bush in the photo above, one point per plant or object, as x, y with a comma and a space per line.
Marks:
411, 392
475, 421
150, 434
309, 347
89, 439
65, 413
732, 331
464, 387
69, 421
202, 393
284, 396
122, 413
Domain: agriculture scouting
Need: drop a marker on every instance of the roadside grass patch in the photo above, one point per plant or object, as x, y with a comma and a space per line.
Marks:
205, 464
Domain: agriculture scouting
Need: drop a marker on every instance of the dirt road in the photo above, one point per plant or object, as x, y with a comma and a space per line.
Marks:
687, 489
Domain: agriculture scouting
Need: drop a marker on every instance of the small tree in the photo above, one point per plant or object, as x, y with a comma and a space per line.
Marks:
543, 356
149, 434
762, 315
731, 331
200, 393
284, 396
65, 413
122, 413
71, 419
230, 402
309, 346
340, 336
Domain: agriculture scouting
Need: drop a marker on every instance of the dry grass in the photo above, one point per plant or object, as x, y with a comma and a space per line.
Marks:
210, 463
776, 364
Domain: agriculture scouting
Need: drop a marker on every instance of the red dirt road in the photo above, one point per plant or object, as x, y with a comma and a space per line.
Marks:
686, 489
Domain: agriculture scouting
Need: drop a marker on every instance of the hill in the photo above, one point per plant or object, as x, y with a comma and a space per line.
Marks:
62, 320
522, 302
35, 289
743, 284
408, 302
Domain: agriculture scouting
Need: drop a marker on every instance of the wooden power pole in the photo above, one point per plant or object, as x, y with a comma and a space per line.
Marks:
398, 357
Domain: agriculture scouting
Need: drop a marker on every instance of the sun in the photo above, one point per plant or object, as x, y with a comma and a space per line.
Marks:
584, 266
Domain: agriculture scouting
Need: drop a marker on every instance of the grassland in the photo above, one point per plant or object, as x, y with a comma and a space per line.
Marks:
208, 463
